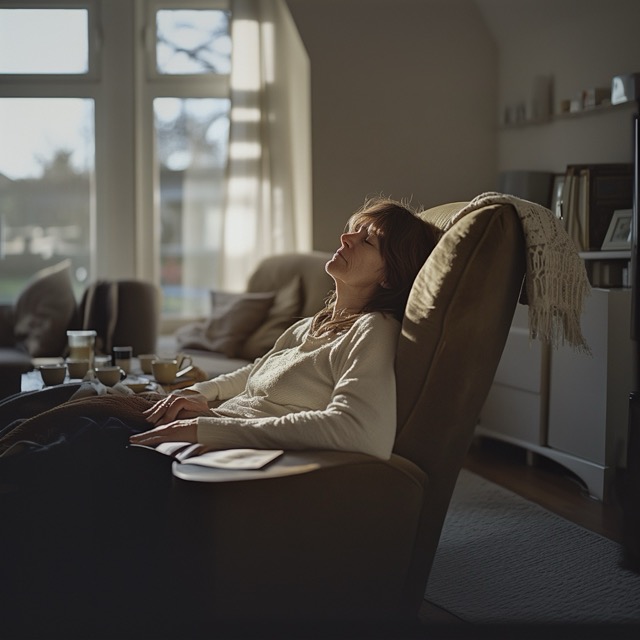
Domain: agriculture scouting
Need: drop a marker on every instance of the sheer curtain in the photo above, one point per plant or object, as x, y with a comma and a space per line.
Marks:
268, 199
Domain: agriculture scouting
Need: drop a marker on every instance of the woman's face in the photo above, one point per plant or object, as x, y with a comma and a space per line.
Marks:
357, 266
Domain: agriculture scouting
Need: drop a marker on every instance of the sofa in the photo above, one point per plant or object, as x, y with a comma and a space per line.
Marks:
122, 312
244, 326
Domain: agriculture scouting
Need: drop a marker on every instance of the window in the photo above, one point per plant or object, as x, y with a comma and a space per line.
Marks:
46, 187
188, 87
47, 149
192, 42
44, 41
191, 141
114, 147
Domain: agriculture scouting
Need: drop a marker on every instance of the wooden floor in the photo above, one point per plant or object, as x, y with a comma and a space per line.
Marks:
546, 483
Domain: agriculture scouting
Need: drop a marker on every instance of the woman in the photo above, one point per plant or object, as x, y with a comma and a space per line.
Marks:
84, 515
328, 382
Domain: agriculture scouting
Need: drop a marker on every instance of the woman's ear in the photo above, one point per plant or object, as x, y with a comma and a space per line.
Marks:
385, 285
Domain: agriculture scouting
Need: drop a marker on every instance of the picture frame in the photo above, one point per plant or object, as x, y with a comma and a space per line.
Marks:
556, 195
619, 232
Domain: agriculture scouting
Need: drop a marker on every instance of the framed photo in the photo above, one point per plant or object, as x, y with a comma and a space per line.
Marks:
556, 194
619, 231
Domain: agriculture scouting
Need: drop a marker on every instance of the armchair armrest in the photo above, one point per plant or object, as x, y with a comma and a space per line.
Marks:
295, 463
280, 542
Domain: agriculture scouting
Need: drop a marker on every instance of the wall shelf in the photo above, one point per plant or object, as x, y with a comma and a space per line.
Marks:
604, 108
605, 255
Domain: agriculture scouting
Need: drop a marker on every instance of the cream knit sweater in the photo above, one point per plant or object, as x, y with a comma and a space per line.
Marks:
311, 393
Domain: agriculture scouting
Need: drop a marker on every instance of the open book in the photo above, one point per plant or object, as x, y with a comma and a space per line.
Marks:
191, 453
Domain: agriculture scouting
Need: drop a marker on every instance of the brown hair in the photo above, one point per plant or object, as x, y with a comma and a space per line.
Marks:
405, 242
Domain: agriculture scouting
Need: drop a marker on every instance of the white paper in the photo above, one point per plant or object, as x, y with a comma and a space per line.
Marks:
235, 458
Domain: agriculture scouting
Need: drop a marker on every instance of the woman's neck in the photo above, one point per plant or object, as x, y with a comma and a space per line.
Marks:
350, 302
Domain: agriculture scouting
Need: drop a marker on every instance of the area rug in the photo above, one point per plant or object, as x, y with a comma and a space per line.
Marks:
503, 559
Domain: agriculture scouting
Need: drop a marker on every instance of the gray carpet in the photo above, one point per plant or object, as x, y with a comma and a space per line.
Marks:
503, 559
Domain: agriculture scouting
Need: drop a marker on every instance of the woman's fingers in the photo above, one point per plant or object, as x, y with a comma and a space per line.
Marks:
178, 431
165, 411
176, 407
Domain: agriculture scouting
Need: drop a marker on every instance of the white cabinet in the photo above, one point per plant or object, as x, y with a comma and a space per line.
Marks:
567, 406
515, 408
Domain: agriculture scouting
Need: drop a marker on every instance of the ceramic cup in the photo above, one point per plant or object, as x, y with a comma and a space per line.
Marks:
77, 367
53, 373
145, 362
122, 357
110, 375
164, 369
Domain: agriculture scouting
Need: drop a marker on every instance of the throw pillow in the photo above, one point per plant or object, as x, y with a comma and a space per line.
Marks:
44, 310
233, 319
284, 312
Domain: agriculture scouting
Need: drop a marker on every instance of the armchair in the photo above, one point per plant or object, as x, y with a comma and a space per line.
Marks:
333, 536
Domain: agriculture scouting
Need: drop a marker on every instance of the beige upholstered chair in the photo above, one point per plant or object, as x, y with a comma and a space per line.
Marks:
323, 535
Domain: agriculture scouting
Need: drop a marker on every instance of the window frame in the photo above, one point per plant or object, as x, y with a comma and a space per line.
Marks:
152, 85
124, 216
69, 85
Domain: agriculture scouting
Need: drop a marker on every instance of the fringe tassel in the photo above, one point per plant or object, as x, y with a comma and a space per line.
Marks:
556, 282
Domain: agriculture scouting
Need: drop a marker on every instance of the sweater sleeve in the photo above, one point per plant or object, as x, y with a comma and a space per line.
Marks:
360, 416
228, 385
224, 386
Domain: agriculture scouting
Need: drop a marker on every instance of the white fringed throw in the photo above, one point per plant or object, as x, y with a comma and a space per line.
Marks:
556, 281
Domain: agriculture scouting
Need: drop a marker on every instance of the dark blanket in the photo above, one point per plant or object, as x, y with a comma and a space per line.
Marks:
82, 515
62, 419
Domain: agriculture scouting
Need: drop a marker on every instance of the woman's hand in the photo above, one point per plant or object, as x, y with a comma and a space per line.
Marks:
177, 431
177, 407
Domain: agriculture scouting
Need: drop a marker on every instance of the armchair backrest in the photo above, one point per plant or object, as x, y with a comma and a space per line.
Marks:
454, 331
122, 312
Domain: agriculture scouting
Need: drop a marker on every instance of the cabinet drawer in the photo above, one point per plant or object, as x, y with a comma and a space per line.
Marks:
521, 363
512, 412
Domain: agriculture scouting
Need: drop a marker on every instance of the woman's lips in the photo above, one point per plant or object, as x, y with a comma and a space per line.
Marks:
339, 253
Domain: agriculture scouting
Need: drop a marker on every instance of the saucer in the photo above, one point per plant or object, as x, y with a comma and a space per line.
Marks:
136, 385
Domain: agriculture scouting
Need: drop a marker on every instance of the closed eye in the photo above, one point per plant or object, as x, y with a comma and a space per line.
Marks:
372, 240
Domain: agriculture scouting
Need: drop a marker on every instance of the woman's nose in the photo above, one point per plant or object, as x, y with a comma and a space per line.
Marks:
348, 237
345, 238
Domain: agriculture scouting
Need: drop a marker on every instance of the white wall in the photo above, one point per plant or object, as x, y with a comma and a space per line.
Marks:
404, 97
580, 45
407, 94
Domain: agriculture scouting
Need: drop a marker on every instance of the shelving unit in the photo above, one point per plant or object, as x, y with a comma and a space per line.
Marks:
615, 261
555, 403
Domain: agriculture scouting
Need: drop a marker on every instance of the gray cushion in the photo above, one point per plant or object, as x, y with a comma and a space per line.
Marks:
44, 310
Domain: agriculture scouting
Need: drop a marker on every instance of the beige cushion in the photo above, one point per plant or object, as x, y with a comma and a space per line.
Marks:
44, 310
275, 272
284, 312
233, 319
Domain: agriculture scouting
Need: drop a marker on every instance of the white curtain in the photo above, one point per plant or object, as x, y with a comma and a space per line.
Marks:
268, 199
